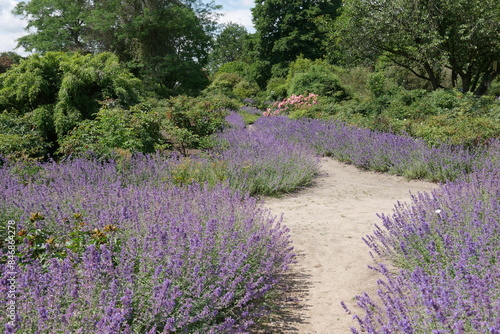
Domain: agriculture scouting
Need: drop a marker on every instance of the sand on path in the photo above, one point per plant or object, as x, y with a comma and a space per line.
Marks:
327, 223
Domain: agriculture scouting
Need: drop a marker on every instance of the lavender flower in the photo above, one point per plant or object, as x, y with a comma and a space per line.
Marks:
187, 259
449, 259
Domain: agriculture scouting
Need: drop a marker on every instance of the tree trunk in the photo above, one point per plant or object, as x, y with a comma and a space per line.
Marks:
465, 82
432, 77
485, 83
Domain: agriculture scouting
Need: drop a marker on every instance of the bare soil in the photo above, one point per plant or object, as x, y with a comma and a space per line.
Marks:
327, 223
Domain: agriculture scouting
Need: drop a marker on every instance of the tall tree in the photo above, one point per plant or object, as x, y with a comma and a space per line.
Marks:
426, 37
287, 29
165, 41
229, 45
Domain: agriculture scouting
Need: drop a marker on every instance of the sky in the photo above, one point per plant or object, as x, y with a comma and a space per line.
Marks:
12, 27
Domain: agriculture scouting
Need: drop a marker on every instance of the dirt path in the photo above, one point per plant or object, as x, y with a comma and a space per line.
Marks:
327, 222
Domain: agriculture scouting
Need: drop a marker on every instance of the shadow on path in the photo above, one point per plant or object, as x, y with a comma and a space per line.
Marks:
290, 311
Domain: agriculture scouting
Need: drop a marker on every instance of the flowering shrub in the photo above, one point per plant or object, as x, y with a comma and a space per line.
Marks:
293, 102
383, 152
262, 162
235, 120
147, 249
448, 248
136, 255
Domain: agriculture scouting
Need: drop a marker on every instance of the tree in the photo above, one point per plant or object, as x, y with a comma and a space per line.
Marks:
229, 45
55, 25
166, 42
287, 29
426, 37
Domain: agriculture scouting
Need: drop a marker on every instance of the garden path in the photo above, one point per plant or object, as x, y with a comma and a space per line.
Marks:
327, 222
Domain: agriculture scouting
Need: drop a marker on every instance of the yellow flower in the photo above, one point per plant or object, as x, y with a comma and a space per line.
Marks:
36, 216
110, 227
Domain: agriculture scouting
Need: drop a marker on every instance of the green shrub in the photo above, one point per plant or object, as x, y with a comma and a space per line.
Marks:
462, 129
277, 89
231, 85
245, 89
116, 131
59, 90
436, 117
355, 80
377, 84
18, 140
187, 121
494, 89
236, 67
318, 82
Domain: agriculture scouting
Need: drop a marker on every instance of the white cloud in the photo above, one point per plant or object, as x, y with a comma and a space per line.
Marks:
240, 16
237, 11
11, 27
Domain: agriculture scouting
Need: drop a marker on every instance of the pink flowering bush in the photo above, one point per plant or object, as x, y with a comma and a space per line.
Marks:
291, 103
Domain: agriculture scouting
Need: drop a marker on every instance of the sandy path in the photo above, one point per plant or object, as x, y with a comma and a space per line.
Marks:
327, 222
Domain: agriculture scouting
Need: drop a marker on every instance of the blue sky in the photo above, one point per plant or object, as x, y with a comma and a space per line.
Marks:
237, 11
11, 27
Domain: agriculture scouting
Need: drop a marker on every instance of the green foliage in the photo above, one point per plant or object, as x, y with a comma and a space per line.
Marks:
166, 42
355, 80
229, 45
426, 39
287, 29
237, 67
18, 141
318, 81
277, 88
494, 89
180, 122
43, 244
224, 83
231, 84
436, 117
58, 25
308, 76
245, 89
200, 117
304, 65
34, 82
116, 131
249, 118
57, 91
209, 172
377, 84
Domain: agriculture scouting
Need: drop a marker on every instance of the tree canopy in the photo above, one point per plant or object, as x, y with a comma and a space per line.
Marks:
427, 37
166, 42
287, 29
229, 45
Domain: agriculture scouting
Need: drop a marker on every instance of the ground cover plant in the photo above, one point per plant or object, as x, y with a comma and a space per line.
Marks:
150, 238
378, 151
446, 249
114, 248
